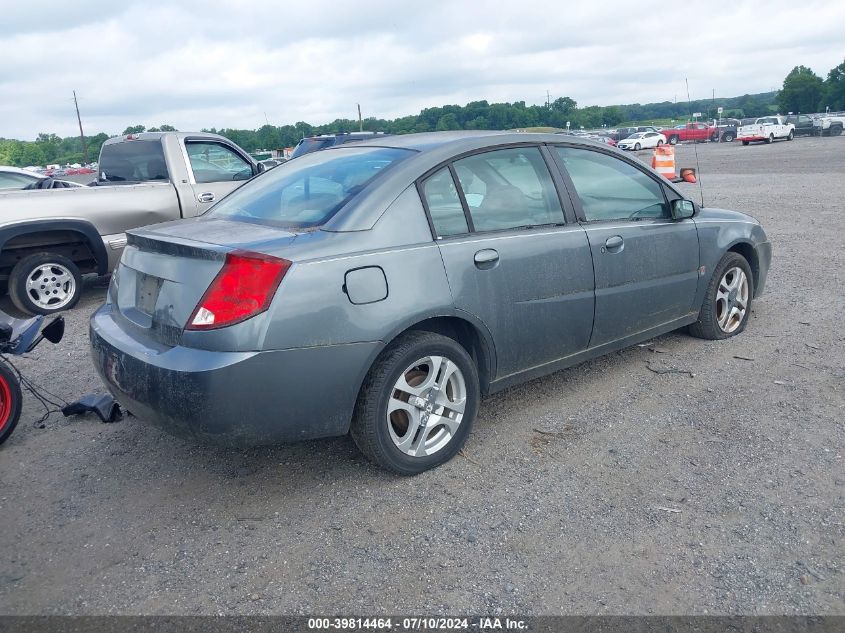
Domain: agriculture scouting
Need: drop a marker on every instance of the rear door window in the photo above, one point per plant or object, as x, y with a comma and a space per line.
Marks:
509, 188
444, 204
214, 162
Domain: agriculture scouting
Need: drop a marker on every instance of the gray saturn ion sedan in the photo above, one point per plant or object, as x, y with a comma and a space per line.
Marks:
381, 288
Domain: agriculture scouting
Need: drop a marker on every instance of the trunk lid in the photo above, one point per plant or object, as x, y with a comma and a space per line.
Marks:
166, 269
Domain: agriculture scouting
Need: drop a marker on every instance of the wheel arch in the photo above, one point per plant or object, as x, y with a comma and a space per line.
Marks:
86, 231
747, 250
461, 326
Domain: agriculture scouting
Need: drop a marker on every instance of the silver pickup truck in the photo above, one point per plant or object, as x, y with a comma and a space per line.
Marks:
50, 238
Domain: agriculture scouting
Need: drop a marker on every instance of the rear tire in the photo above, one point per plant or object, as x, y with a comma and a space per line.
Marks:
771, 139
728, 137
673, 140
714, 318
45, 283
398, 422
746, 142
835, 130
10, 401
659, 143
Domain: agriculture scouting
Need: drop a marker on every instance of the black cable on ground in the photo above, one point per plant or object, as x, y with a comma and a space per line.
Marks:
47, 399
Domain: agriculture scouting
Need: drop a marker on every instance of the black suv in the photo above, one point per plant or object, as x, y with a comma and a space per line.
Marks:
314, 143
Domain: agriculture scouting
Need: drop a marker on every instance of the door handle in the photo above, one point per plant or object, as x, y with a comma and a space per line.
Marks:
614, 244
206, 196
486, 258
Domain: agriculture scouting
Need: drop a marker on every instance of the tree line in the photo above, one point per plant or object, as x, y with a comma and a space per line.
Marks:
802, 91
477, 115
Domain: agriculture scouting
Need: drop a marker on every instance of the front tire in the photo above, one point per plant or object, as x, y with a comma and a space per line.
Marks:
673, 140
746, 142
728, 137
637, 147
417, 404
45, 283
727, 302
771, 139
10, 401
659, 143
791, 135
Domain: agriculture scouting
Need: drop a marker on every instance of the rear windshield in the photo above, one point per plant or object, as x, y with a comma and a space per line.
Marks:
308, 145
133, 161
306, 192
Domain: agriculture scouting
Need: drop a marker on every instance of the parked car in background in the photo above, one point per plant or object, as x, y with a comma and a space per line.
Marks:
766, 129
381, 288
324, 141
642, 140
14, 178
697, 132
803, 125
830, 124
624, 132
724, 130
48, 239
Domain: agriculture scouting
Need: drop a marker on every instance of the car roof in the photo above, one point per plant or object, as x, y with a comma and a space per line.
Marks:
7, 169
155, 136
431, 149
468, 140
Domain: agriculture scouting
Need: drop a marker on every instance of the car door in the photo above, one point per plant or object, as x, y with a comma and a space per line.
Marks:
646, 264
215, 170
511, 258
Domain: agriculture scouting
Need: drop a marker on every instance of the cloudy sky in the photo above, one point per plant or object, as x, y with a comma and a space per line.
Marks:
230, 63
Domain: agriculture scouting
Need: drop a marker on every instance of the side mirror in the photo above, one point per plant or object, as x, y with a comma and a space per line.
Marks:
261, 168
682, 209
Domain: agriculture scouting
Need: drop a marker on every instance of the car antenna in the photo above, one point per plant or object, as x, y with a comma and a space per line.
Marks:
695, 147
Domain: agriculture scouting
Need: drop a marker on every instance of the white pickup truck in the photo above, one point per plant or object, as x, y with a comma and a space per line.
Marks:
767, 129
829, 124
49, 238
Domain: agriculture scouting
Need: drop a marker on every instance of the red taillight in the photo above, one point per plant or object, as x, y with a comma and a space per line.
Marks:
243, 288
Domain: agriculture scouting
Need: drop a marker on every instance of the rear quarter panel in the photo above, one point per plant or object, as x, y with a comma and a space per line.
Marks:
110, 209
312, 307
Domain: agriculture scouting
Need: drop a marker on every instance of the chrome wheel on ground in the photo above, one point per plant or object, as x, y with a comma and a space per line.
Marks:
427, 406
732, 300
727, 301
45, 283
417, 404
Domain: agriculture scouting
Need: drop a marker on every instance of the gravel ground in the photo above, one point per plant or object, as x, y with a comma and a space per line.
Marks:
644, 494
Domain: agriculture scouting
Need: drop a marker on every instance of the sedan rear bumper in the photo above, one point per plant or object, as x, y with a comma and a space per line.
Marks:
232, 398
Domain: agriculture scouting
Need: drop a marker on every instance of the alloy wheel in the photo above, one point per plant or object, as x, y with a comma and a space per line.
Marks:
50, 286
426, 406
732, 299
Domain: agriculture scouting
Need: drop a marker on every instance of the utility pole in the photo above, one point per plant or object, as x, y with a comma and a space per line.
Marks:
81, 133
360, 120
548, 100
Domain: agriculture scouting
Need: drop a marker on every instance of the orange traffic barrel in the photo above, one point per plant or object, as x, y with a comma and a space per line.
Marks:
663, 161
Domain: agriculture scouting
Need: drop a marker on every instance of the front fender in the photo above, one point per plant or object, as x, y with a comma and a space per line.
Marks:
720, 231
